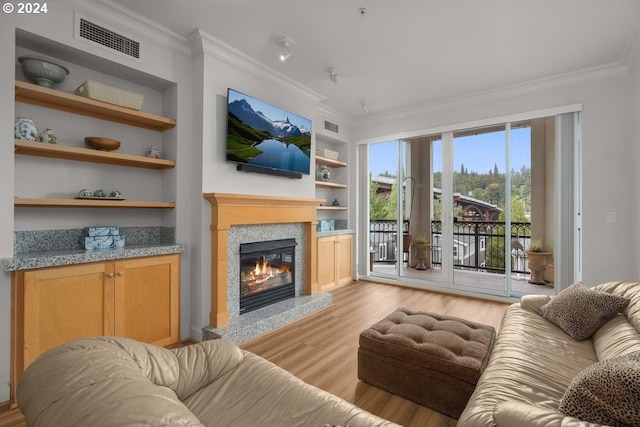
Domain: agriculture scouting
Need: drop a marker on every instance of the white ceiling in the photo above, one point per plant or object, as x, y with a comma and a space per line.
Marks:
405, 53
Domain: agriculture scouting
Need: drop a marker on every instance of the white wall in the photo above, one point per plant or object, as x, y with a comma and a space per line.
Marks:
609, 158
213, 75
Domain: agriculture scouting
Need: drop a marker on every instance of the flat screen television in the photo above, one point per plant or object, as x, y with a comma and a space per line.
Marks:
265, 136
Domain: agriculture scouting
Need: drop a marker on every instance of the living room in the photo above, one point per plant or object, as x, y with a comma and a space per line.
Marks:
186, 77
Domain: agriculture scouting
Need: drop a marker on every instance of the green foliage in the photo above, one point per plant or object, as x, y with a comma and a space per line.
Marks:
242, 140
536, 246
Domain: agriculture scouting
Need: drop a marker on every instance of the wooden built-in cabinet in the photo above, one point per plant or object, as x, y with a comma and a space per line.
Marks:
136, 298
335, 260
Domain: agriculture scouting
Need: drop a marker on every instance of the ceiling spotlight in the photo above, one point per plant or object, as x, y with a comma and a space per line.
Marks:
286, 44
333, 74
364, 106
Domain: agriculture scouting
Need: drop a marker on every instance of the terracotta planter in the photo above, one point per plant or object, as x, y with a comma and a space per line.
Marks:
537, 265
423, 254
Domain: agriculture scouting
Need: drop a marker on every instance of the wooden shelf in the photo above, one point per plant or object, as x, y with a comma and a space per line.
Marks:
326, 184
330, 162
83, 203
67, 152
332, 208
51, 98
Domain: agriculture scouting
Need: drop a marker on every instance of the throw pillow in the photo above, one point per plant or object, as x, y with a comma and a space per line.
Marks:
580, 311
606, 392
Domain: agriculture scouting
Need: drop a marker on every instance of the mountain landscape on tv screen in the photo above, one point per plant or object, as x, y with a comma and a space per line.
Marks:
254, 138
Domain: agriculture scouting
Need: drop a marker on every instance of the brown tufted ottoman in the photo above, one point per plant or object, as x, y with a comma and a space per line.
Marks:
428, 358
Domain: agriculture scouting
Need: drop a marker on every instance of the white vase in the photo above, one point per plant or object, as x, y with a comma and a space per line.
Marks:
25, 129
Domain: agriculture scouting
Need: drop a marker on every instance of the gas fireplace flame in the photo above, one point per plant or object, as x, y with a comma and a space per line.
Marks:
263, 271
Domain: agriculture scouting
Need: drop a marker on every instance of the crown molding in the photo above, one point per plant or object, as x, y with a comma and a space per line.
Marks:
631, 53
203, 43
120, 17
560, 80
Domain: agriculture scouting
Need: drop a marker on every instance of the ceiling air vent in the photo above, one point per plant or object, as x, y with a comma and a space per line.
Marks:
332, 127
107, 38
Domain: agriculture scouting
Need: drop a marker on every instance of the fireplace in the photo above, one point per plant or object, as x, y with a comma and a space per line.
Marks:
267, 273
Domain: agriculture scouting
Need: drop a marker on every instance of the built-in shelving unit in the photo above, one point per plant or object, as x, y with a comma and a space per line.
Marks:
330, 162
329, 184
67, 152
33, 94
332, 208
63, 101
90, 203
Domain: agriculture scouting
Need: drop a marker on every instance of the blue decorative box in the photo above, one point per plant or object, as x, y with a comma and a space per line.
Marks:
94, 243
103, 231
326, 225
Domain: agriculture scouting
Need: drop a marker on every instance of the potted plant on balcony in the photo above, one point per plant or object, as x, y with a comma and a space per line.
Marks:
537, 256
422, 249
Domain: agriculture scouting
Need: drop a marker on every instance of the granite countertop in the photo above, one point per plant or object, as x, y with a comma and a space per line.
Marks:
333, 232
28, 261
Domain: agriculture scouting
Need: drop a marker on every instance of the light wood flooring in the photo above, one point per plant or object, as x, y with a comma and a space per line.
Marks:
321, 349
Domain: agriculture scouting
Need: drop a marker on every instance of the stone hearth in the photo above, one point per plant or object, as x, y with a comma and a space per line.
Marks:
237, 219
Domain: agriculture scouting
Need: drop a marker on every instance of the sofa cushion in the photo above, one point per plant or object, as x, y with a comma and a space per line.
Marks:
580, 311
607, 392
617, 337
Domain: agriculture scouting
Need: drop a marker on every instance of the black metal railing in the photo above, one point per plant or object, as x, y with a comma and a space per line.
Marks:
478, 245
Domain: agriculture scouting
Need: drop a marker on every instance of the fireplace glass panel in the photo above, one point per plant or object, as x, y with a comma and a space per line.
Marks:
266, 273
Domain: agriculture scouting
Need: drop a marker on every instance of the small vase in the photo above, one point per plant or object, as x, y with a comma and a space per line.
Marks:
25, 129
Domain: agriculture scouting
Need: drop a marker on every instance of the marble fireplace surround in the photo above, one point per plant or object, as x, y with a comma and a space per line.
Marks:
229, 210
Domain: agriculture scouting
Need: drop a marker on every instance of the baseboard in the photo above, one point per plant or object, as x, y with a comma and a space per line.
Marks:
5, 393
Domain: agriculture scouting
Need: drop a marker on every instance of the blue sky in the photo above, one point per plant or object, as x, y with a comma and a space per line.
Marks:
271, 111
478, 153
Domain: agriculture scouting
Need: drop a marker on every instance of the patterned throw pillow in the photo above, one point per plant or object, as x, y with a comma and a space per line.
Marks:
580, 311
607, 392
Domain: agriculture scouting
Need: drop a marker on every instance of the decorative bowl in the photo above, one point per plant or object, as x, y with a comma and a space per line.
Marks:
104, 144
43, 71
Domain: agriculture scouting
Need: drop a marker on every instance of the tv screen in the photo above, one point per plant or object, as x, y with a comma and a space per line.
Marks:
264, 135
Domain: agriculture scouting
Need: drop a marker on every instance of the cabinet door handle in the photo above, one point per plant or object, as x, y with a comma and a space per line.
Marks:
120, 274
110, 275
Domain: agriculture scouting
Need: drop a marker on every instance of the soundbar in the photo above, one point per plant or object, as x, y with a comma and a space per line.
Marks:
244, 167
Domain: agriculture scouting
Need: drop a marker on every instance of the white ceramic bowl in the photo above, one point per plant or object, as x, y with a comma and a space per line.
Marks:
43, 71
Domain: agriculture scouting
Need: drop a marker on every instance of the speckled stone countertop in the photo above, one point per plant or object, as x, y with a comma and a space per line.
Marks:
50, 248
80, 256
333, 233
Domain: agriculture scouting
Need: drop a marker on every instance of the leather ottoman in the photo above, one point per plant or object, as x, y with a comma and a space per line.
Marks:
431, 359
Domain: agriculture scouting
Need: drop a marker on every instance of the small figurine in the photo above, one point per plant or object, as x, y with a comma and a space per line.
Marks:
154, 152
48, 136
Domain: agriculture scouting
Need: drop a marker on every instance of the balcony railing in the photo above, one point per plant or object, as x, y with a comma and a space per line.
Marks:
477, 245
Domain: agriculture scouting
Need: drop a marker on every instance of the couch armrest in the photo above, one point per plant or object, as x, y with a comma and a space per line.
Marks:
534, 303
204, 362
509, 414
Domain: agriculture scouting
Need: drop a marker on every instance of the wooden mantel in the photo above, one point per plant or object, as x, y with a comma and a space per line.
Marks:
228, 210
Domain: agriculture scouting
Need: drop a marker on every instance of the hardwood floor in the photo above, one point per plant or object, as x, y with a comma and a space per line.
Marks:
321, 349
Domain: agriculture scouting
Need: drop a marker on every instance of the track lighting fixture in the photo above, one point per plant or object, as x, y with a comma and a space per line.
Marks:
333, 74
286, 44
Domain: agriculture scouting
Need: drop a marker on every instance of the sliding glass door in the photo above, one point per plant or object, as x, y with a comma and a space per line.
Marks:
460, 209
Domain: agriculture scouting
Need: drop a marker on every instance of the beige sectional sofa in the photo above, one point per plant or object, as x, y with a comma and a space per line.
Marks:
536, 367
106, 381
